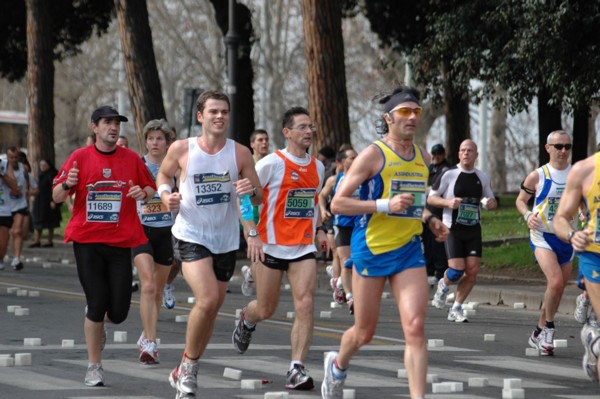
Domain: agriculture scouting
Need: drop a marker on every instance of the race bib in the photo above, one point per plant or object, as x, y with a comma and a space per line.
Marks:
552, 207
155, 211
212, 188
417, 189
597, 228
468, 212
300, 204
103, 206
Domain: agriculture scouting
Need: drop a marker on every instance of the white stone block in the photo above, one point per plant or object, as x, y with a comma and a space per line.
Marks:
7, 361
435, 343
22, 359
349, 393
68, 343
385, 295
157, 340
450, 297
276, 395
441, 387
28, 260
456, 386
431, 378
22, 312
34, 293
325, 314
46, 265
335, 305
21, 292
467, 306
238, 313
490, 337
290, 315
191, 299
513, 394
37, 258
474, 305
12, 290
519, 305
560, 343
65, 261
32, 341
287, 287
120, 336
512, 383
402, 373
232, 373
478, 382
12, 308
469, 312
532, 352
182, 318
251, 384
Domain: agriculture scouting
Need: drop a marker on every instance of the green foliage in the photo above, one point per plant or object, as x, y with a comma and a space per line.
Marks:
74, 21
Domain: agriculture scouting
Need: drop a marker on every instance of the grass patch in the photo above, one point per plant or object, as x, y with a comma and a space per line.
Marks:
517, 255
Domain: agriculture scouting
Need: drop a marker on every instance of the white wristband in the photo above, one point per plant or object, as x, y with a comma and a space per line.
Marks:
526, 215
383, 205
162, 188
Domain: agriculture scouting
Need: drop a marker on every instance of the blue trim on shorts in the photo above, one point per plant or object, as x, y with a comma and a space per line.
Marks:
393, 262
589, 265
563, 250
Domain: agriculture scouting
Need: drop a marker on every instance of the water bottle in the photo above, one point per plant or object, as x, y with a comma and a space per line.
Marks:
246, 207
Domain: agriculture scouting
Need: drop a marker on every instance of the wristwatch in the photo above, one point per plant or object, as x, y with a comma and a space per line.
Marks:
570, 235
252, 233
253, 192
65, 186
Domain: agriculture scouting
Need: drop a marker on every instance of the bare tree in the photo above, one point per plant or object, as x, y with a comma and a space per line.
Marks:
142, 75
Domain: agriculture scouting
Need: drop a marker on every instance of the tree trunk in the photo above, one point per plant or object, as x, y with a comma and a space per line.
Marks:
581, 120
244, 96
325, 71
140, 65
40, 83
456, 108
592, 144
497, 155
548, 121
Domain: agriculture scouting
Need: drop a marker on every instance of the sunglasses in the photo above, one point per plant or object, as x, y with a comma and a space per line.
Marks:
559, 147
407, 111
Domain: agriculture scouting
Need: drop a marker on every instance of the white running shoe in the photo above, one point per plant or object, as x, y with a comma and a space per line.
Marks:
149, 354
333, 386
248, 283
538, 342
94, 377
169, 296
547, 343
589, 338
582, 306
338, 290
457, 316
439, 298
184, 378
329, 271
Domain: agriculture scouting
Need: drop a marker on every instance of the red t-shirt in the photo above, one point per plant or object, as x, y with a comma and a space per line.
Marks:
102, 212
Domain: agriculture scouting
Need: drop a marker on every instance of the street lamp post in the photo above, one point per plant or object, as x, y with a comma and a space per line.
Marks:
231, 41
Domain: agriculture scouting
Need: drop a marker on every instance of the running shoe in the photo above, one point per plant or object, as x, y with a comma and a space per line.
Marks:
94, 377
592, 319
141, 342
298, 379
184, 378
547, 343
149, 353
242, 335
248, 283
333, 385
16, 263
582, 305
350, 303
457, 316
439, 298
168, 296
338, 290
589, 339
329, 271
537, 342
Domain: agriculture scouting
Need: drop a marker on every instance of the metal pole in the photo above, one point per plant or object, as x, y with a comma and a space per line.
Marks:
232, 41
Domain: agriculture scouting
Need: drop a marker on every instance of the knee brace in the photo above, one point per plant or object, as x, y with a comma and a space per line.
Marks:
454, 275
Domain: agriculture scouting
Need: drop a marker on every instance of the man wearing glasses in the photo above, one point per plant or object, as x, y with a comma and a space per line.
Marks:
289, 222
460, 190
392, 176
554, 256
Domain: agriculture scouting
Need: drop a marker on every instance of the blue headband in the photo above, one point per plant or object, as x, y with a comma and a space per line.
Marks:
399, 98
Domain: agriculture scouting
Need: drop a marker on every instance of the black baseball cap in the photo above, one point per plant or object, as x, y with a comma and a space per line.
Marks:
106, 111
438, 149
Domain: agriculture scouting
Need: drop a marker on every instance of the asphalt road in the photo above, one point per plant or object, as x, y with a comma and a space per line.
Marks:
57, 372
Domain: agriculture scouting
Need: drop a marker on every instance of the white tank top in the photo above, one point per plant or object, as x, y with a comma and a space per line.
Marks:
208, 211
551, 185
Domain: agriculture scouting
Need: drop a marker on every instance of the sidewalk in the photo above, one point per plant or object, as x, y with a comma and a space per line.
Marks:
497, 290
